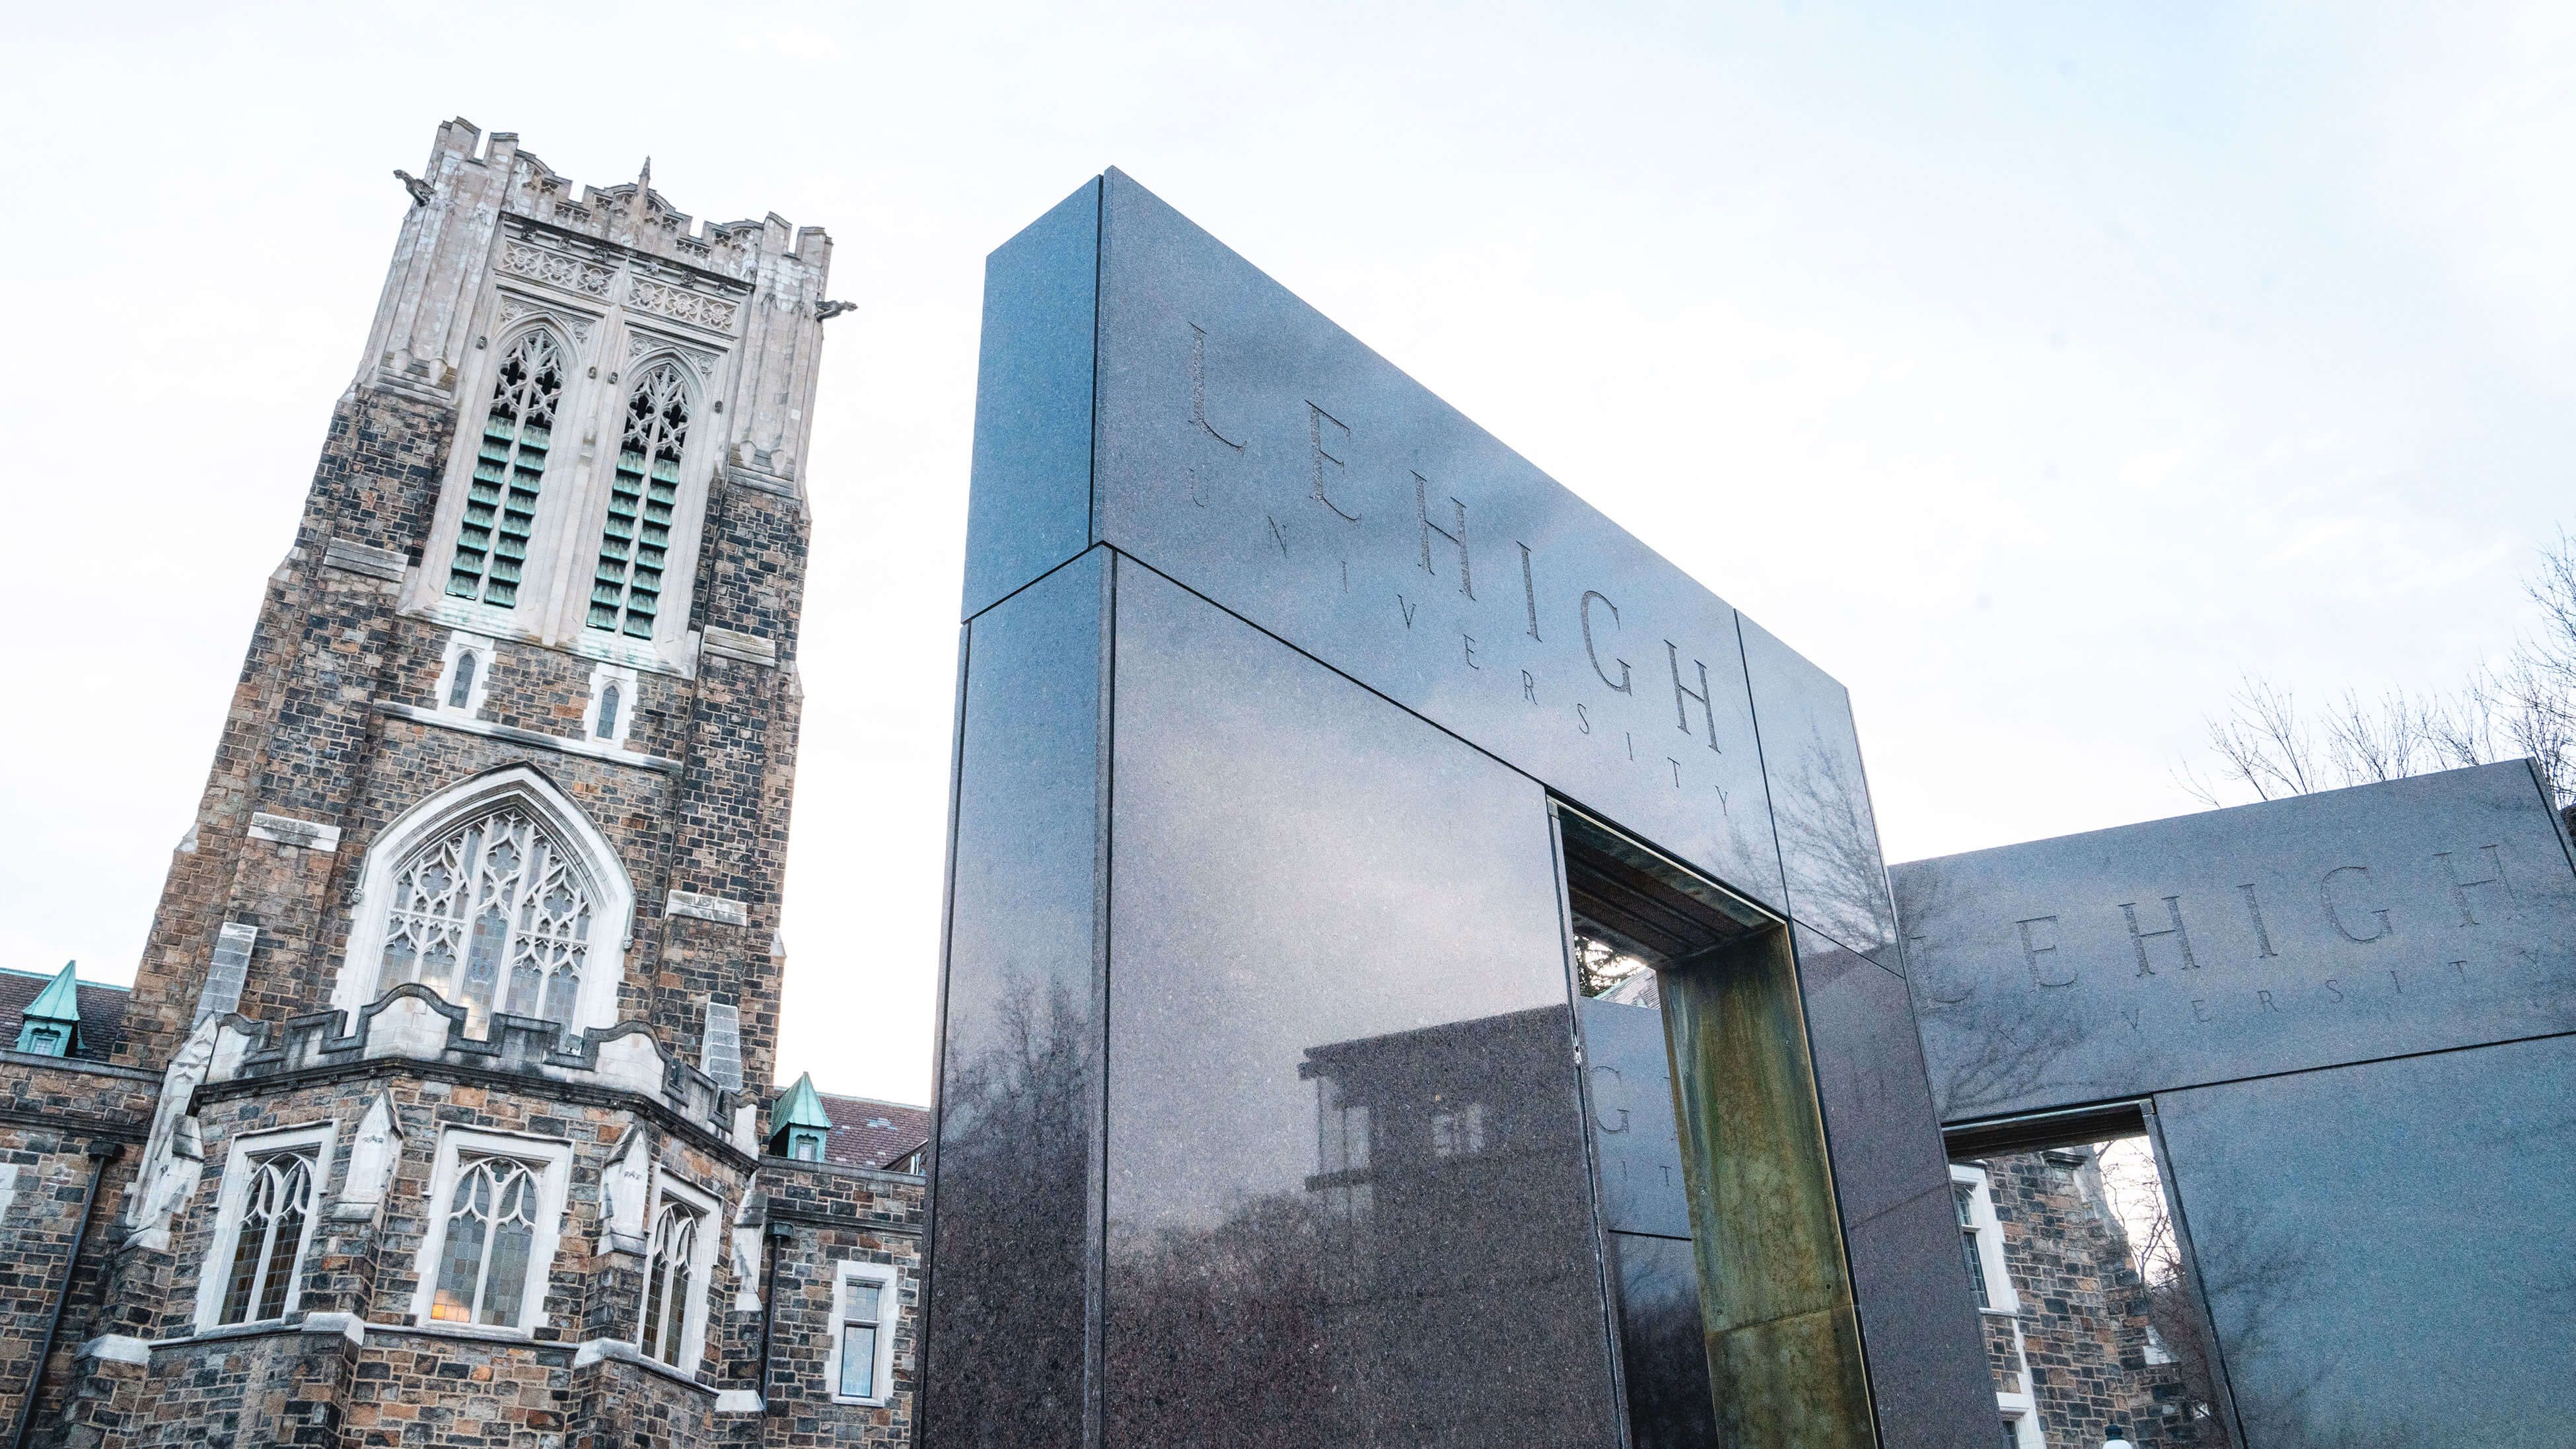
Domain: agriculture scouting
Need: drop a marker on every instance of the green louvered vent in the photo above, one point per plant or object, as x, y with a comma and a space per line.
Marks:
501, 507
626, 589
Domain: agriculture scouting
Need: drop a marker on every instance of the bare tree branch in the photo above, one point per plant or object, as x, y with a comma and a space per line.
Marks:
2525, 707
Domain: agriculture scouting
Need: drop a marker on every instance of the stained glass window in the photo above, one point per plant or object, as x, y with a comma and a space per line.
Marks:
634, 547
608, 702
666, 1281
495, 916
491, 1235
509, 464
268, 1248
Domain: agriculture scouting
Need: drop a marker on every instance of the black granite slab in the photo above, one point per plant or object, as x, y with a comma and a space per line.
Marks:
1632, 1108
2385, 1248
1279, 863
2409, 916
1346, 1170
1014, 1193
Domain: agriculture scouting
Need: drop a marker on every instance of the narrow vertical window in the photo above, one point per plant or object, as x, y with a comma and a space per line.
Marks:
1966, 1198
626, 587
268, 1246
861, 1320
608, 713
491, 1234
501, 498
461, 693
667, 1275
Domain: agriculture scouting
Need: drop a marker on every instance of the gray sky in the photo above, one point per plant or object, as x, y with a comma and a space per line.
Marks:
2035, 369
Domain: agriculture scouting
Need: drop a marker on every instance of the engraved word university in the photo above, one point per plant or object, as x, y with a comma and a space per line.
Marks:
1303, 489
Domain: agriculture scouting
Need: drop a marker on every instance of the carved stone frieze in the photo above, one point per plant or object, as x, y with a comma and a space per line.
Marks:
681, 305
573, 274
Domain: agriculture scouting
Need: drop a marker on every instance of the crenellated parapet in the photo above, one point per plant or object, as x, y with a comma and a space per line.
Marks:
413, 1023
496, 239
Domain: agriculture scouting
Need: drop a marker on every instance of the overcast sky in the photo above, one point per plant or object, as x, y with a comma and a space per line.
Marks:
2036, 369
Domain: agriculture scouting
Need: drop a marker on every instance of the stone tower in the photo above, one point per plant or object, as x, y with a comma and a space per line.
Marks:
446, 1056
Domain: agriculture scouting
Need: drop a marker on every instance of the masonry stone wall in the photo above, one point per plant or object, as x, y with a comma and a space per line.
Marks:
296, 736
2083, 1324
832, 1216
53, 1116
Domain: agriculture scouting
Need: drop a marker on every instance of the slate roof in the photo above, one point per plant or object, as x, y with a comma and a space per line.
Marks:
869, 1133
102, 1009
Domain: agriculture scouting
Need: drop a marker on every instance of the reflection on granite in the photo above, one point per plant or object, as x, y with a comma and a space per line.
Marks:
1645, 1204
1661, 1349
2419, 914
1347, 1181
1892, 1182
1012, 1181
2386, 1248
1837, 879
1632, 1120
1359, 644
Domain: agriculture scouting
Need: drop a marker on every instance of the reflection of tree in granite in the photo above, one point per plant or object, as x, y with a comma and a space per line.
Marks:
2013, 1040
2261, 1271
1663, 1344
1217, 1336
1829, 846
2179, 1326
1012, 1161
1426, 1289
2547, 1291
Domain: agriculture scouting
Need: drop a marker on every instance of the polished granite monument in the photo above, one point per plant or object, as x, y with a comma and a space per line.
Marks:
1302, 725
2346, 1020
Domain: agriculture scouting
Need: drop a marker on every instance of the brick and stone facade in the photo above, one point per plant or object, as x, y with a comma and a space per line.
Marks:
484, 889
2072, 1345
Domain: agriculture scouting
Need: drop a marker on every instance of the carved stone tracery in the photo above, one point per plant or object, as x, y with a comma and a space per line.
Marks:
514, 307
639, 344
682, 305
574, 274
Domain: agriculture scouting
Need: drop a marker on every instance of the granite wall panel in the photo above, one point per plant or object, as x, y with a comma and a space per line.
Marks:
1358, 645
2409, 916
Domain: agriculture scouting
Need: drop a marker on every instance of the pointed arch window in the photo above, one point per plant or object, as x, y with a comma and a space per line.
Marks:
509, 464
495, 915
269, 1241
635, 544
667, 1279
491, 1233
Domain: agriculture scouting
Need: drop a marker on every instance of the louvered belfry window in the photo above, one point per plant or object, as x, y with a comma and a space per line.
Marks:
501, 503
626, 589
494, 916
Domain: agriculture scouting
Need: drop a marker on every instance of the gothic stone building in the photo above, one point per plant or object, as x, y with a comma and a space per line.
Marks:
2072, 1330
435, 1114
